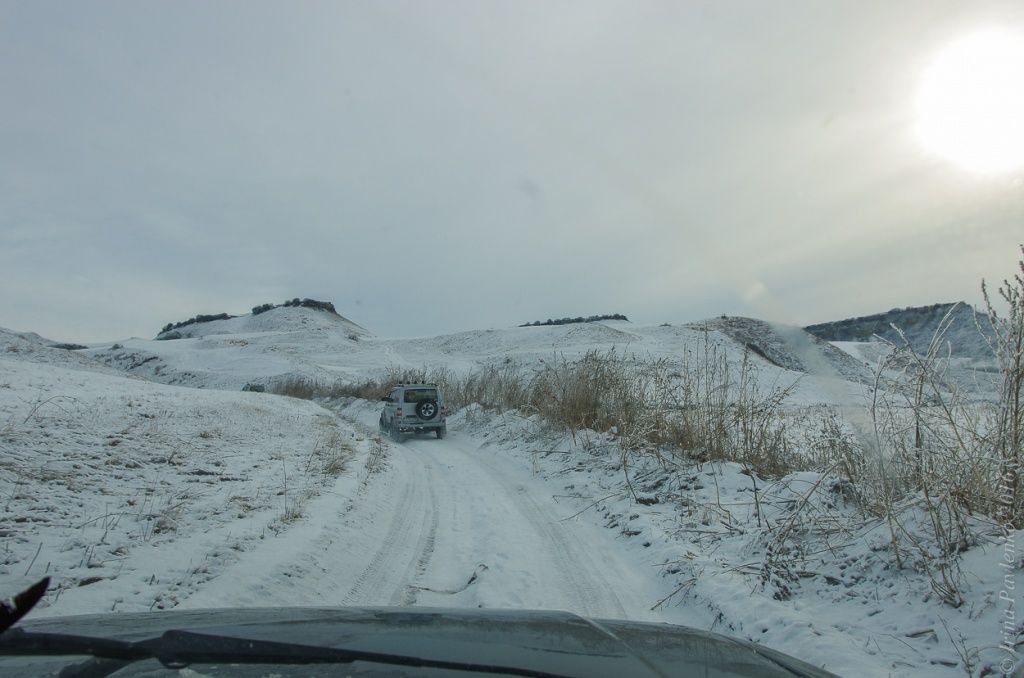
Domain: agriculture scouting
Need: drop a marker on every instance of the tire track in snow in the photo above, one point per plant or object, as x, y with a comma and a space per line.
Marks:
593, 594
562, 561
425, 547
387, 578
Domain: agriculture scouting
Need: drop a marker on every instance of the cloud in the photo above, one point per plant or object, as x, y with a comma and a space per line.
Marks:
461, 165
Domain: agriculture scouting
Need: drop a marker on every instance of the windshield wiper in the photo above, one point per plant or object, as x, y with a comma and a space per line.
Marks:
11, 612
177, 649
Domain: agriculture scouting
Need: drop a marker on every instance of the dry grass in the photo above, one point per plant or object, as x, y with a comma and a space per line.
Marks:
308, 388
703, 405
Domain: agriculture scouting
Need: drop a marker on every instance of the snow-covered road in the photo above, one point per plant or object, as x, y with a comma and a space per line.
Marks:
446, 524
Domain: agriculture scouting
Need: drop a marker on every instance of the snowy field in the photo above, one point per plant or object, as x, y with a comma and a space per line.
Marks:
139, 477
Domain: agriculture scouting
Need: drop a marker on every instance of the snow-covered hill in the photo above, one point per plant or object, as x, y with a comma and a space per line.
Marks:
289, 342
228, 354
277, 319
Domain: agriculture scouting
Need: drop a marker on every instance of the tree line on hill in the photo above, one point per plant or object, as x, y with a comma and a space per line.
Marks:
578, 319
296, 302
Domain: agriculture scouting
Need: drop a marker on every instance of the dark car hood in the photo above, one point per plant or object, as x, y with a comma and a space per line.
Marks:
552, 642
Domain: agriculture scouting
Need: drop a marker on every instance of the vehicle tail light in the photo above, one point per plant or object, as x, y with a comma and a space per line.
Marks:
398, 413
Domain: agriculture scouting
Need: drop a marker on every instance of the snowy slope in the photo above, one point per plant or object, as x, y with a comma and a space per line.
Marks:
30, 347
131, 495
790, 347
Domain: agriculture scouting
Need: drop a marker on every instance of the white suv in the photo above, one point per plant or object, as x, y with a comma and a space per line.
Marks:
414, 408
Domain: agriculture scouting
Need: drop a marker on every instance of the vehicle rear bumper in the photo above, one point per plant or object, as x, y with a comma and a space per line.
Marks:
420, 426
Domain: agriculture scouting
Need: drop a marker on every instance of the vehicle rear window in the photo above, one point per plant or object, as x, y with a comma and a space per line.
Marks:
415, 395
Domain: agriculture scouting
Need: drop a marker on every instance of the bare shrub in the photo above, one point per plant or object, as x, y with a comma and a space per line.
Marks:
330, 455
942, 460
376, 460
310, 388
166, 517
1008, 347
293, 387
599, 391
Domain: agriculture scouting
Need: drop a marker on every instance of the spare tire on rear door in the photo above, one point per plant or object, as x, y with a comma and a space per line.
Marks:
426, 409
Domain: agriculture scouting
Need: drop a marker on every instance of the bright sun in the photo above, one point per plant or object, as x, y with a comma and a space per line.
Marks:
971, 102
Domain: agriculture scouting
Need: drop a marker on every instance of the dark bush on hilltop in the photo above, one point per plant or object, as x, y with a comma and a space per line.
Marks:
312, 303
262, 308
296, 302
208, 318
319, 305
69, 347
578, 319
192, 321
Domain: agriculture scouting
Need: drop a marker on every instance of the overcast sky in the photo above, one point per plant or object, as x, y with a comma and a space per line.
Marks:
439, 166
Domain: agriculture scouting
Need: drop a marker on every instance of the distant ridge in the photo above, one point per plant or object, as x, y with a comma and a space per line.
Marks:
919, 324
